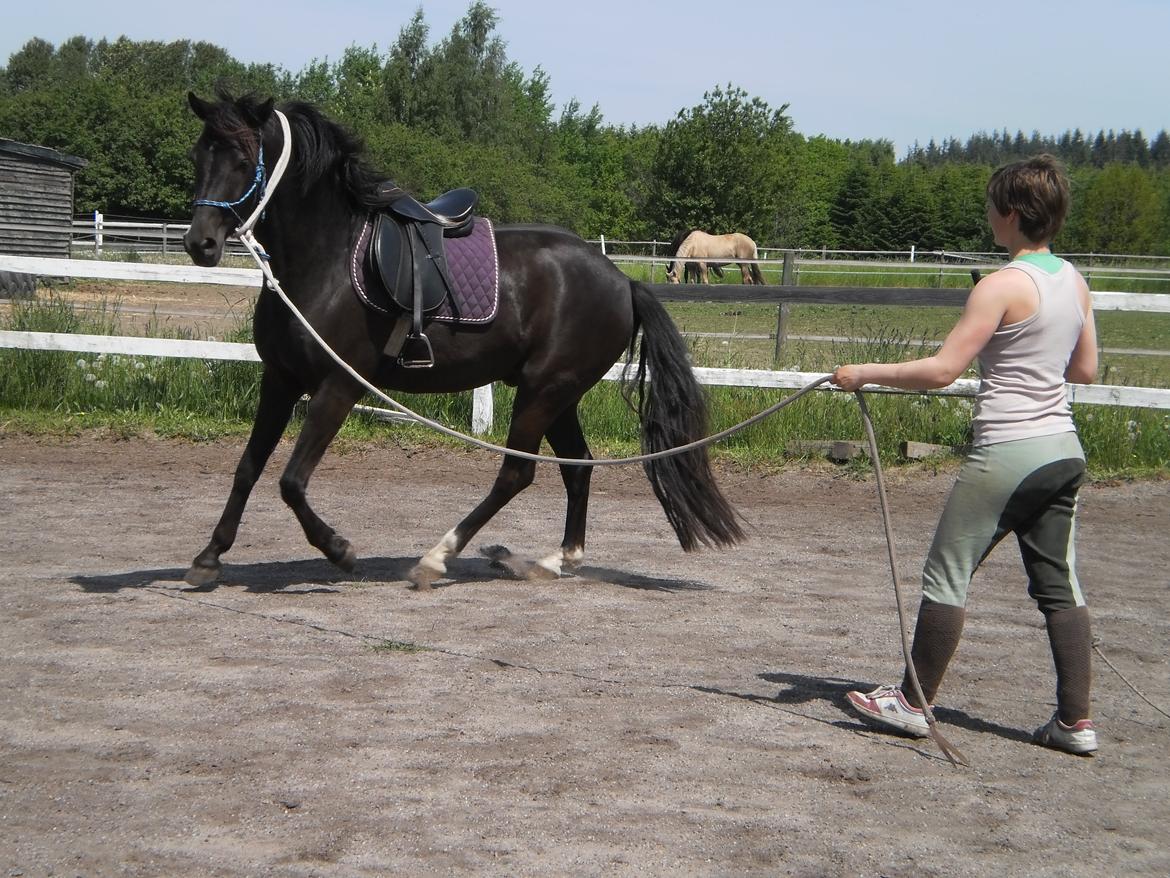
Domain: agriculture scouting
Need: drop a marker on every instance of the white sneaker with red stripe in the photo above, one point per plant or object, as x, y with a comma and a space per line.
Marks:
1080, 738
887, 706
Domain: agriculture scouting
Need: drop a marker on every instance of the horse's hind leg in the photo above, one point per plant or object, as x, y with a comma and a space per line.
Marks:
567, 440
272, 415
326, 412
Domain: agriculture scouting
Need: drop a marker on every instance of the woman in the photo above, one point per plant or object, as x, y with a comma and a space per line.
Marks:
1031, 326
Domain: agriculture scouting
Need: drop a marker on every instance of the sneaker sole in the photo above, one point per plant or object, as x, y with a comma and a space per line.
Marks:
1049, 744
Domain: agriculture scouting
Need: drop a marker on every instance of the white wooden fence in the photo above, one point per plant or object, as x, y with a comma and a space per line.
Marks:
1099, 394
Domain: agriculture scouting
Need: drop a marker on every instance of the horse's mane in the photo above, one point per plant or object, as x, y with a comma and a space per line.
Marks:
677, 240
323, 147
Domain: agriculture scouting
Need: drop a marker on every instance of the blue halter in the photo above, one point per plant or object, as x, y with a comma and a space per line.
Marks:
260, 180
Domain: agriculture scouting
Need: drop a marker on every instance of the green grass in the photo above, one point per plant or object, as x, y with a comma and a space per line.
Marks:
64, 393
398, 646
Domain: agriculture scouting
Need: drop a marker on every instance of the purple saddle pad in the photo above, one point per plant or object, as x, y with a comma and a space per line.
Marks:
472, 264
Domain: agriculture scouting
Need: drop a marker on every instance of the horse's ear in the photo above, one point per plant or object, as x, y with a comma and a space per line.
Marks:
259, 114
199, 107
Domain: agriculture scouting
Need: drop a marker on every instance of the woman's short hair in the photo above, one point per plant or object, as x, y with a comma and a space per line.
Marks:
1037, 190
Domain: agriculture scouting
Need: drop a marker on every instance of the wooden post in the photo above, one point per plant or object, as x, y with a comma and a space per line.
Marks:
782, 311
482, 405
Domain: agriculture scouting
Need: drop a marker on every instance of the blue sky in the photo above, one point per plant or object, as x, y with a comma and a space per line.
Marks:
904, 71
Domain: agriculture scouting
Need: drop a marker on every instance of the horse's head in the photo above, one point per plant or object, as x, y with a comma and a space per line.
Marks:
672, 266
229, 170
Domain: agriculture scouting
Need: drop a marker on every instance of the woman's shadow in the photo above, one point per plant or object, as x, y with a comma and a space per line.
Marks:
804, 689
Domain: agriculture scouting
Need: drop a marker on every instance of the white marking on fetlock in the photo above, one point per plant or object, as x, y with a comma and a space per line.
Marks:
562, 560
436, 559
552, 563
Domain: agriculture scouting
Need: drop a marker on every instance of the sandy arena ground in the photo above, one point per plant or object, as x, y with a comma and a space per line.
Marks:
656, 714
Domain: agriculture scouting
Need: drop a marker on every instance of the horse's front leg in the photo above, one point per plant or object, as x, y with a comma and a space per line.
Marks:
272, 416
326, 412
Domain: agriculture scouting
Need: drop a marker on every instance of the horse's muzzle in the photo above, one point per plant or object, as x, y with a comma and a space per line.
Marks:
203, 249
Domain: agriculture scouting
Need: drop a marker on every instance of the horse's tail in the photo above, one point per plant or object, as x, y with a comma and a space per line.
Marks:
673, 412
754, 268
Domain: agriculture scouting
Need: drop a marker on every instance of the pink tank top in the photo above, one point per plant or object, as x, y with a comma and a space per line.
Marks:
1022, 390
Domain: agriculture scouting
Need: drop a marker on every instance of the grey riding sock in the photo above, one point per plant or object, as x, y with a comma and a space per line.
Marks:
1070, 635
936, 637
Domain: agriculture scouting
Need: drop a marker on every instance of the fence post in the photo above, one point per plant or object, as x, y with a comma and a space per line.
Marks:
97, 233
782, 312
603, 245
481, 410
164, 244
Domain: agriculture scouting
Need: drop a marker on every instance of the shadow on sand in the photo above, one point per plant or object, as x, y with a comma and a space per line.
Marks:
316, 575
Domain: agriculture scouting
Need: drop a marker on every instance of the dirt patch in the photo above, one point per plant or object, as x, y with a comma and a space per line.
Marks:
195, 310
658, 713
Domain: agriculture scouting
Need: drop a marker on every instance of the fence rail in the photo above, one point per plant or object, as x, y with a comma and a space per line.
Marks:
1112, 395
98, 233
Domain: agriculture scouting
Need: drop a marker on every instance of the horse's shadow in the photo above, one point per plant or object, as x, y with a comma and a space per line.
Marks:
803, 689
626, 579
305, 576
318, 576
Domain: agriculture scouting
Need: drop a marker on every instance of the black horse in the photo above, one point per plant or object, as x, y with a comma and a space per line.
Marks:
565, 316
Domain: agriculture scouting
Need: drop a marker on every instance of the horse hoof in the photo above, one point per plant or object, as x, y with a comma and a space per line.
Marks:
348, 560
502, 559
496, 553
421, 577
201, 575
342, 554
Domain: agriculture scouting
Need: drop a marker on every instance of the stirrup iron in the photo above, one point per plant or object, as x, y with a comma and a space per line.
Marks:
409, 362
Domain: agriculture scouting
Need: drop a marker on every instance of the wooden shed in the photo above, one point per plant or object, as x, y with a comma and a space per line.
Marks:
36, 199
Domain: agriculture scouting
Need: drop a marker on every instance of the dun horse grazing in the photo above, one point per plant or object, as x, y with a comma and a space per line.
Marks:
703, 249
563, 314
690, 269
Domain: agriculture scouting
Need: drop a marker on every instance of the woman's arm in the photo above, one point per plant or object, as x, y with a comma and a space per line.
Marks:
982, 315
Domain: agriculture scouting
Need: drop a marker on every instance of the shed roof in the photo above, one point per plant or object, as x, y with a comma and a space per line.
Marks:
41, 154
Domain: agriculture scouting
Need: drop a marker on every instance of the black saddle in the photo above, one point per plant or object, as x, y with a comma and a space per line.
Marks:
406, 254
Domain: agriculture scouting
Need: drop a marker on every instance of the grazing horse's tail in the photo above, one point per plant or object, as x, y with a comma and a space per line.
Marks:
754, 268
673, 412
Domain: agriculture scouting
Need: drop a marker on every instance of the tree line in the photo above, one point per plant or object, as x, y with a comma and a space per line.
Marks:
458, 111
